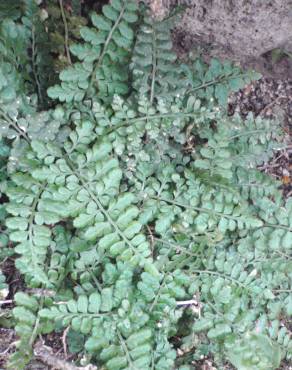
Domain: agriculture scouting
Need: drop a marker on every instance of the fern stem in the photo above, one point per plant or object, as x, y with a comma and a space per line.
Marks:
247, 133
72, 315
274, 226
66, 32
15, 126
215, 273
165, 115
36, 325
31, 219
95, 280
153, 77
154, 116
219, 313
125, 349
175, 246
214, 82
198, 209
157, 294
34, 70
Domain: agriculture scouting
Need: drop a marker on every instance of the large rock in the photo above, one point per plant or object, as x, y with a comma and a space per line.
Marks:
243, 30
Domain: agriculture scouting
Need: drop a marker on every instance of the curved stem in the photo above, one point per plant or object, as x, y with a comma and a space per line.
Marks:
126, 351
209, 272
154, 116
66, 32
34, 68
36, 325
154, 67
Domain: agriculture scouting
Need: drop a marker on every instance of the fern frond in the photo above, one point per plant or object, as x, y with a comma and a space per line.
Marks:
31, 214
103, 57
119, 339
215, 82
29, 326
153, 63
254, 184
40, 60
236, 143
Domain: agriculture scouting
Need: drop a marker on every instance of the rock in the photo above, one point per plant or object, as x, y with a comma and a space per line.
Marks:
242, 30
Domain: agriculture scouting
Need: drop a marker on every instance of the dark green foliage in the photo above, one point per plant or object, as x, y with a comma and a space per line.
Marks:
39, 50
136, 213
103, 56
153, 63
10, 10
56, 32
216, 81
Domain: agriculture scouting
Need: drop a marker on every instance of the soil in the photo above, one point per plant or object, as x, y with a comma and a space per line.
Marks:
7, 338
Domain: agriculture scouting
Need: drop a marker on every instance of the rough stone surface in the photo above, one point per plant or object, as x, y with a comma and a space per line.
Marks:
243, 30
248, 28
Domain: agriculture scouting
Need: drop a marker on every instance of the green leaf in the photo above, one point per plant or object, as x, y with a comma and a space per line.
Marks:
24, 315
202, 325
220, 330
110, 12
94, 303
82, 304
106, 300
255, 351
23, 299
139, 338
101, 23
126, 31
75, 341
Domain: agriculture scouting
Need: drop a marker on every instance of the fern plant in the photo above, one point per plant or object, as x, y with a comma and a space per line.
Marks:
134, 205
103, 57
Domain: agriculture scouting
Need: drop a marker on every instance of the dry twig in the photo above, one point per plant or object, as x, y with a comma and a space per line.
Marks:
64, 341
45, 354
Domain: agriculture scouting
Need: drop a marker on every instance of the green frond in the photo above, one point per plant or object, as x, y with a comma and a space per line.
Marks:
155, 72
114, 324
267, 354
215, 82
236, 142
28, 225
254, 184
103, 57
98, 211
29, 326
